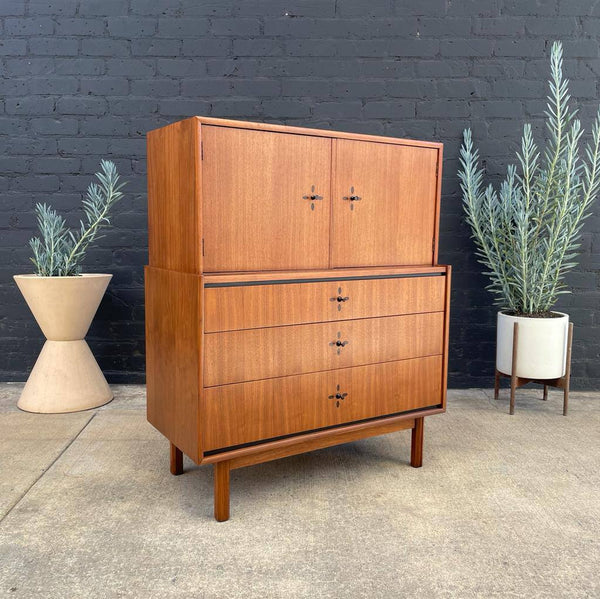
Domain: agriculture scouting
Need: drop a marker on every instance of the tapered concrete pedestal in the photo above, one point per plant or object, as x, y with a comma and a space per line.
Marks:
66, 376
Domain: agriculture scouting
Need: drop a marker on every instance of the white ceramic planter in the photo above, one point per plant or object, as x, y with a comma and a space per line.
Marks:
66, 377
542, 346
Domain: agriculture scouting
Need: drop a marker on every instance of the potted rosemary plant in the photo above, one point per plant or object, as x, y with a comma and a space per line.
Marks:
527, 232
66, 377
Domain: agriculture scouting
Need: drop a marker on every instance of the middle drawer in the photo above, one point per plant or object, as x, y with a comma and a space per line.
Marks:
254, 354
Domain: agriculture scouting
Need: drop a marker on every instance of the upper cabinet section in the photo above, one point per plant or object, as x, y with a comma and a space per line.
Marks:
266, 200
227, 196
384, 204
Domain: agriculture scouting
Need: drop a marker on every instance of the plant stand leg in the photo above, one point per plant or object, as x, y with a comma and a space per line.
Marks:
567, 377
221, 472
176, 460
497, 384
416, 449
545, 397
513, 372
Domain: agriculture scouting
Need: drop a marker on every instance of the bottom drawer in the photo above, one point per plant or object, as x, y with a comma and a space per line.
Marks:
258, 410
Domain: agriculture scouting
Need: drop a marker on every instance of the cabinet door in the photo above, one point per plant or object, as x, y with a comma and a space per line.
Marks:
384, 204
266, 200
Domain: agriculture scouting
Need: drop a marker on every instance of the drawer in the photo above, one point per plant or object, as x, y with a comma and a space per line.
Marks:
276, 304
260, 410
252, 354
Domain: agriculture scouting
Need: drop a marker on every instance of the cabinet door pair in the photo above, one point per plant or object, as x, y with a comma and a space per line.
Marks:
275, 201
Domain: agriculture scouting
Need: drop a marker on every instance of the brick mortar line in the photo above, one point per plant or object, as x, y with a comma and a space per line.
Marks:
44, 472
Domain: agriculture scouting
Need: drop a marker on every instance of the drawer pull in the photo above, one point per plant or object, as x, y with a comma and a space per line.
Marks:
352, 198
312, 197
340, 299
338, 397
339, 343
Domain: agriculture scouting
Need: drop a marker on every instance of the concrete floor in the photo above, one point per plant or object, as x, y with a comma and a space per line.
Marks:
503, 507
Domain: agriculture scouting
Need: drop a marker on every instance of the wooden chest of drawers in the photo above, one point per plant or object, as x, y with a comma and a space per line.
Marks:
293, 296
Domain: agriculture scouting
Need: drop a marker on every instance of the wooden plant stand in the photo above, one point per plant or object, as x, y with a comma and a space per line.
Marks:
518, 381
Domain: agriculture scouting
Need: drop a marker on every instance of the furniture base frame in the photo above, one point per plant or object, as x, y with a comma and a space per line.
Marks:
562, 382
226, 462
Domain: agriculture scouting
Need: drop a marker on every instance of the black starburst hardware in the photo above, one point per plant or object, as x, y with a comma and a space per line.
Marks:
352, 198
312, 197
339, 343
338, 396
340, 299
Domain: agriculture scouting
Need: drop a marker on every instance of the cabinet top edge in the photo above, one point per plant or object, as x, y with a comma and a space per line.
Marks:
202, 120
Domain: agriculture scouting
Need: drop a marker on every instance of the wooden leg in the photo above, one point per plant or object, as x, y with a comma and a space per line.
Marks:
416, 450
221, 478
176, 460
545, 398
497, 384
568, 371
513, 372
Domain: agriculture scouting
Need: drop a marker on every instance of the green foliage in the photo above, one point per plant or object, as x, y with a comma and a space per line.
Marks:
527, 233
59, 251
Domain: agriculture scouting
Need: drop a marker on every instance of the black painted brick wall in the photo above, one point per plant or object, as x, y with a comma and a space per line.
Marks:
85, 79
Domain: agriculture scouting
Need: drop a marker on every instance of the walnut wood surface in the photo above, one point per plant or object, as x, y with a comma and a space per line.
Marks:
246, 307
247, 412
176, 461
416, 445
282, 448
394, 220
255, 211
173, 328
173, 197
314, 132
251, 373
254, 354
446, 334
221, 490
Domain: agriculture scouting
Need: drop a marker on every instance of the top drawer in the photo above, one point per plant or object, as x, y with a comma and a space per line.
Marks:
257, 305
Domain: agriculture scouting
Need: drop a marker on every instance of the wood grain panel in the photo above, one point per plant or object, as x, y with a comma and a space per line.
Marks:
255, 210
253, 354
255, 306
247, 412
315, 132
173, 197
394, 220
314, 440
446, 334
173, 325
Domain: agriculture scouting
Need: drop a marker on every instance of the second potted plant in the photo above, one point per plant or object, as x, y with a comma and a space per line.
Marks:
66, 377
527, 232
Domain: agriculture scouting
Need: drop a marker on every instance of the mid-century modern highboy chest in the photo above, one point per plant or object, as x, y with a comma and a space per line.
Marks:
293, 296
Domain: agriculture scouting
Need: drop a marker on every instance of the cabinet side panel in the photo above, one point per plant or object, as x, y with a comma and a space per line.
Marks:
173, 218
438, 204
446, 335
172, 356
